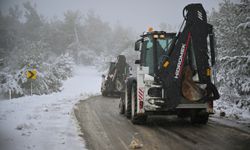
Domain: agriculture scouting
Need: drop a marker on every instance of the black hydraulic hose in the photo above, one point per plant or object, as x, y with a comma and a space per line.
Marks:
171, 47
211, 38
173, 43
183, 13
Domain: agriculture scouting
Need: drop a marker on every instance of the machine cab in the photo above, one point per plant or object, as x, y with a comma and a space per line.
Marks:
153, 46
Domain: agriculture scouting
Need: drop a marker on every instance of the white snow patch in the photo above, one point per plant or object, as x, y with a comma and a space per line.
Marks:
46, 121
232, 111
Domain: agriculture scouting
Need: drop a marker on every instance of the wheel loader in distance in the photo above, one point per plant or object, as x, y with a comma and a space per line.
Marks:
175, 72
114, 83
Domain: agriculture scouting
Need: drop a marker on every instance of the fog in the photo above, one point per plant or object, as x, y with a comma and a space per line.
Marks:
51, 36
54, 36
137, 14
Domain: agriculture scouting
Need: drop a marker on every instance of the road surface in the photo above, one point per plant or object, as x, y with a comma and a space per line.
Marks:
105, 129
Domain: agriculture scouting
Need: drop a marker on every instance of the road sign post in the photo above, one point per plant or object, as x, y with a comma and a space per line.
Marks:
31, 88
31, 74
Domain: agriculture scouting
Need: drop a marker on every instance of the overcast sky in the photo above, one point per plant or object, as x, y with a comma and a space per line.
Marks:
138, 14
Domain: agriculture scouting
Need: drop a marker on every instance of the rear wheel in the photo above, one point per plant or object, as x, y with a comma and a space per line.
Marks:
183, 113
122, 104
128, 102
104, 93
199, 117
135, 118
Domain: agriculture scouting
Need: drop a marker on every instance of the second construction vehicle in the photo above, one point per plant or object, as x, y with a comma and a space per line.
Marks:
174, 73
114, 82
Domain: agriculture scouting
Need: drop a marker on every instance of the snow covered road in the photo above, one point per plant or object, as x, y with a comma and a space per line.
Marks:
105, 129
46, 122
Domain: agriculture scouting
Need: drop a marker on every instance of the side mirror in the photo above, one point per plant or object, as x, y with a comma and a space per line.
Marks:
138, 45
137, 61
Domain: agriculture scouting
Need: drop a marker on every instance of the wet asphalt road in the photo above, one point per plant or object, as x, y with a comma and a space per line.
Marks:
105, 129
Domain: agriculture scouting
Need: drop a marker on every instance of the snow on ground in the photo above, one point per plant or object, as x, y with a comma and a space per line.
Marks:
232, 111
46, 122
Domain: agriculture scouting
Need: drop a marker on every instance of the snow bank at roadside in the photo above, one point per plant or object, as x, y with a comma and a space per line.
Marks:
45, 122
232, 111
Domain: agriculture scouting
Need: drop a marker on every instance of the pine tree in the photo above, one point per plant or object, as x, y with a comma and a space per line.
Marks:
233, 52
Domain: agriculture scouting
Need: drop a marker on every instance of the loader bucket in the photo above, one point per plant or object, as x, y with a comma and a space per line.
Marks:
190, 90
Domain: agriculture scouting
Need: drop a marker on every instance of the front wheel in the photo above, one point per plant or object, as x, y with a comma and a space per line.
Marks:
135, 118
127, 102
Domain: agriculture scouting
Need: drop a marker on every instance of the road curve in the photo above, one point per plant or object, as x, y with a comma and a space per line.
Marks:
105, 129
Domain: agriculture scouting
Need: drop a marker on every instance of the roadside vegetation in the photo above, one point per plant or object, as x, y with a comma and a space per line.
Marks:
54, 46
232, 30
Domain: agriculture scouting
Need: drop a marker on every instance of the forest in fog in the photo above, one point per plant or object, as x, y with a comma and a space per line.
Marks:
54, 46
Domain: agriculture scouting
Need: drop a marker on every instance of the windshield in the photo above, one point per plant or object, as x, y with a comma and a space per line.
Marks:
148, 54
165, 43
162, 47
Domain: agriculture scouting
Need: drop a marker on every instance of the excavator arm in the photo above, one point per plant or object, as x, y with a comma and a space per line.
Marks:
187, 56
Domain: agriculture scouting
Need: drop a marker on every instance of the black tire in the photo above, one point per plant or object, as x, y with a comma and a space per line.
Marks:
104, 93
136, 119
199, 117
204, 118
128, 110
182, 114
121, 108
122, 105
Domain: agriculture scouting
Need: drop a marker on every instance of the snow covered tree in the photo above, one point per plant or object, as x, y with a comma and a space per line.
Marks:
63, 66
97, 33
52, 47
233, 53
9, 83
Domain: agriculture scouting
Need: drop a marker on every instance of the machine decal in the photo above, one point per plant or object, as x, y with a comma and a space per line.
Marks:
181, 58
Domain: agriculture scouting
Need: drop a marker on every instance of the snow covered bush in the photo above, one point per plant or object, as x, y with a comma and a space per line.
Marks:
8, 82
63, 67
50, 73
233, 56
29, 41
244, 25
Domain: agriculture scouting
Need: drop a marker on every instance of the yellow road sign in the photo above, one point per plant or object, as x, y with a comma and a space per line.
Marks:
31, 74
